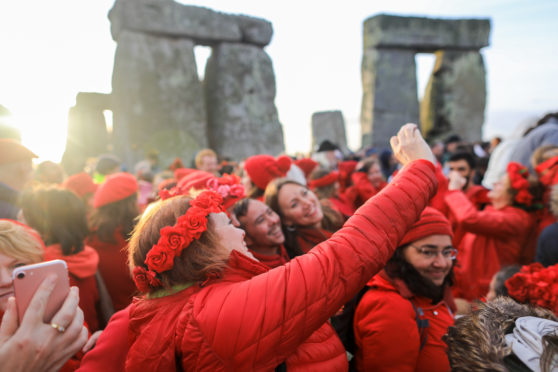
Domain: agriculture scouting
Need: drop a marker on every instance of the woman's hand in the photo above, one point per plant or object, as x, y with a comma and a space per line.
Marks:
456, 181
409, 145
34, 345
92, 341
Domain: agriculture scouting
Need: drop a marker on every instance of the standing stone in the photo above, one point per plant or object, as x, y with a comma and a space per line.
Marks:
455, 96
157, 98
87, 131
389, 99
329, 125
240, 94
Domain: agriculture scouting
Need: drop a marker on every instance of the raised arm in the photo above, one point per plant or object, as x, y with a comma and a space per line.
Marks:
268, 316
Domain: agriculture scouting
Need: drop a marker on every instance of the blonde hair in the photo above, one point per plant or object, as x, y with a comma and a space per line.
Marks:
200, 155
20, 242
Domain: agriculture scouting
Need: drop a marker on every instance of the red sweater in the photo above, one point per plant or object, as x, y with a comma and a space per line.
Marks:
493, 238
113, 258
82, 267
386, 332
254, 319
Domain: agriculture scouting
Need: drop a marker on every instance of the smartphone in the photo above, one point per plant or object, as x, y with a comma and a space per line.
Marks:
27, 279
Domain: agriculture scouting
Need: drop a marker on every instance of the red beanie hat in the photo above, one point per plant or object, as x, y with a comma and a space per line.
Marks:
307, 165
262, 169
80, 184
194, 180
431, 222
12, 151
116, 187
181, 172
326, 180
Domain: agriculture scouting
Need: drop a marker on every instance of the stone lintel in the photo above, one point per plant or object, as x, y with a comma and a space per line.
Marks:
202, 25
425, 34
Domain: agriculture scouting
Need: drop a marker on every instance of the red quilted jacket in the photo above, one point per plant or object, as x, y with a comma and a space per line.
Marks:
253, 322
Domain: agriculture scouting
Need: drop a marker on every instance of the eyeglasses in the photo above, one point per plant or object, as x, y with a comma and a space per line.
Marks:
430, 254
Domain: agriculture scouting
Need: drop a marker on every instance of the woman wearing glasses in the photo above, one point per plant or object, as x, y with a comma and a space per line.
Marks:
400, 320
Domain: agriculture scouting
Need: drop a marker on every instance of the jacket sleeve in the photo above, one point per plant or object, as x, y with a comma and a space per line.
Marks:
499, 223
261, 321
386, 333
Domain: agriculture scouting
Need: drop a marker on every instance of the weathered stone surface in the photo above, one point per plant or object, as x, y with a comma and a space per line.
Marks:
240, 94
202, 25
455, 96
329, 125
157, 98
87, 131
389, 85
425, 34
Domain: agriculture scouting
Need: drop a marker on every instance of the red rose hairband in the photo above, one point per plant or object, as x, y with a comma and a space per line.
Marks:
174, 239
537, 285
518, 179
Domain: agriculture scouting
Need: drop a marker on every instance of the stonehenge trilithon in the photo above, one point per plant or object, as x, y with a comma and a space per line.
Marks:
158, 101
329, 125
456, 95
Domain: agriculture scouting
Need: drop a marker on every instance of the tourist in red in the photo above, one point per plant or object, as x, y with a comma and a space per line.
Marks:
59, 216
326, 186
112, 221
496, 236
210, 306
368, 180
400, 320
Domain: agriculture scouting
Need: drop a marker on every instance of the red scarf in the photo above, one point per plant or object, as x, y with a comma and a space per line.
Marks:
82, 265
272, 261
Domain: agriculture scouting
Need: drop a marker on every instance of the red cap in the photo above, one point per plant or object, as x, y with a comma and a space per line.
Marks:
262, 169
326, 180
181, 172
431, 222
12, 151
80, 184
116, 187
307, 165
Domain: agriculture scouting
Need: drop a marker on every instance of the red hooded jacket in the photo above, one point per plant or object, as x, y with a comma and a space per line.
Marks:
254, 319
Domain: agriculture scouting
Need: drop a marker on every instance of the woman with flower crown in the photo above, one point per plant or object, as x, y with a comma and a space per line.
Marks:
208, 305
497, 236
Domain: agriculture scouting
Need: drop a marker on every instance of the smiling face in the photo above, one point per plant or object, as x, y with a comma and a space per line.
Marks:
299, 206
433, 268
230, 236
374, 175
262, 225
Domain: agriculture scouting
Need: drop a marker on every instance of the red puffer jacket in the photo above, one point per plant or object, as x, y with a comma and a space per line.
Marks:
387, 334
243, 322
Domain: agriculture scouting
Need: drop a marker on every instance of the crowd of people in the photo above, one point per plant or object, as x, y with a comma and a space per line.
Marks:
393, 260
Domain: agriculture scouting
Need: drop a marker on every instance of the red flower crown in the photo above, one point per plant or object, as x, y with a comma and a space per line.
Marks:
537, 285
174, 239
518, 180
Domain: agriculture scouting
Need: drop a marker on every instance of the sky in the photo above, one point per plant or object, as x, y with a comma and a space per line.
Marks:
51, 50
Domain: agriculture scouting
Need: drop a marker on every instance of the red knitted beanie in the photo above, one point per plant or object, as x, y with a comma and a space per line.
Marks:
431, 222
262, 169
195, 180
80, 184
326, 180
182, 172
116, 187
307, 165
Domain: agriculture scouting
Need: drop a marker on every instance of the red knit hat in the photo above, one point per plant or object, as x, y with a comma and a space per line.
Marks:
12, 151
262, 169
326, 180
431, 222
181, 172
307, 165
80, 184
116, 187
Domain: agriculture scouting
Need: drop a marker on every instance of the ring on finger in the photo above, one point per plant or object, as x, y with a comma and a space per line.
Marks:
58, 327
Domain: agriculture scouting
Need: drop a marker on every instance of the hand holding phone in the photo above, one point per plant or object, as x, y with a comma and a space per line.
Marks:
27, 279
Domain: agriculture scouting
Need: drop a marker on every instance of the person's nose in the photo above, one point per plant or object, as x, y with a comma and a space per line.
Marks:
439, 261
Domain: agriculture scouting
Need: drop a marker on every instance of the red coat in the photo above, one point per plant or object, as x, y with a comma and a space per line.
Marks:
386, 332
254, 319
109, 353
493, 238
82, 267
113, 258
364, 188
